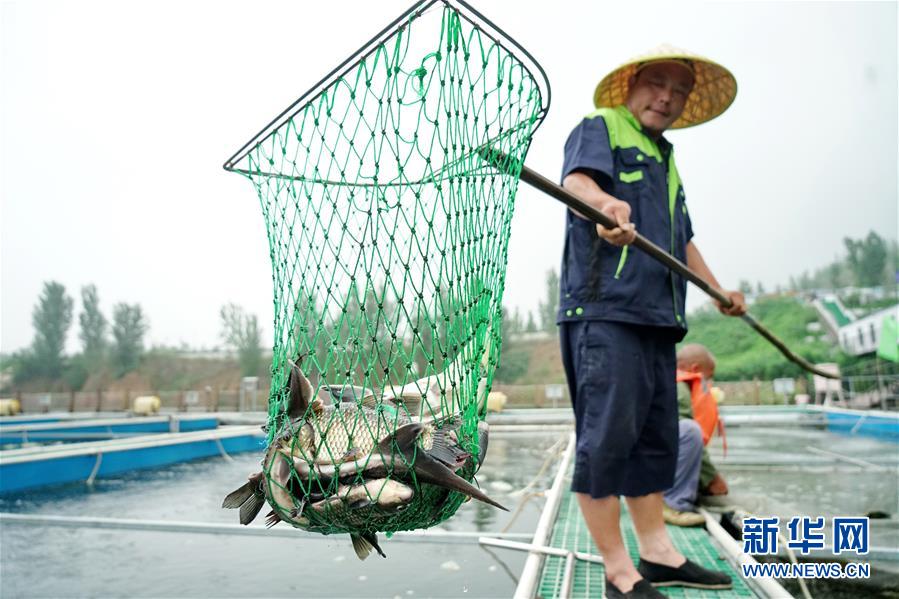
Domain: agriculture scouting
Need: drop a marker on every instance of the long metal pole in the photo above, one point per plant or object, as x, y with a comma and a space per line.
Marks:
538, 181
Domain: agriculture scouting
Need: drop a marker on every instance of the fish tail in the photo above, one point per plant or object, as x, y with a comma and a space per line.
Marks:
364, 543
237, 497
432, 471
372, 539
250, 509
361, 546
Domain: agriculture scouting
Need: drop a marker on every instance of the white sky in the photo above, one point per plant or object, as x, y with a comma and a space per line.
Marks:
116, 118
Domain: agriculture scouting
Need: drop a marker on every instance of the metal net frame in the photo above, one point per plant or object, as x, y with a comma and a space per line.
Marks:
388, 233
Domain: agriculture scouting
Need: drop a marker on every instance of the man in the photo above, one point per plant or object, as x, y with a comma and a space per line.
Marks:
621, 312
695, 471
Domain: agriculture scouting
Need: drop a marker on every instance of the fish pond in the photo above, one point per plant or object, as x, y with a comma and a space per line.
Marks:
771, 471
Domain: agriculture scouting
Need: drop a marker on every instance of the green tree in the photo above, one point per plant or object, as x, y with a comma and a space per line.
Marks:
547, 309
241, 332
51, 319
868, 259
93, 327
531, 326
128, 329
515, 358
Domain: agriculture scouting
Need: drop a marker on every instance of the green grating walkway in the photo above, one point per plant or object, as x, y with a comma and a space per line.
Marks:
570, 532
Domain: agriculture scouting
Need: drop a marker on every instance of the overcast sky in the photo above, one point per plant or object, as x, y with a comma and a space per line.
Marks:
116, 118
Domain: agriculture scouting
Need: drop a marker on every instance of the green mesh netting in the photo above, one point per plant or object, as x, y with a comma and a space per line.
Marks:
388, 235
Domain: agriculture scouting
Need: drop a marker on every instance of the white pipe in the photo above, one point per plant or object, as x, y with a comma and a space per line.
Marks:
223, 529
585, 557
530, 428
767, 585
846, 458
565, 590
530, 574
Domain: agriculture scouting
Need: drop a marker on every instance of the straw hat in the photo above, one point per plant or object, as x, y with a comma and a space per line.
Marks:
713, 91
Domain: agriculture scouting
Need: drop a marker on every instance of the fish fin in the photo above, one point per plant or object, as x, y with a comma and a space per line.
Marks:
447, 451
405, 437
299, 392
483, 439
361, 546
239, 496
271, 519
250, 509
411, 401
360, 503
372, 539
282, 471
318, 407
431, 471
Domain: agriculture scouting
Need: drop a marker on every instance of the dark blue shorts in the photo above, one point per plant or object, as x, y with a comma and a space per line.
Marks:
623, 390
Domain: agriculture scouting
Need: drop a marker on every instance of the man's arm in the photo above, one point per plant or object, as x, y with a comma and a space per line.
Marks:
585, 188
698, 265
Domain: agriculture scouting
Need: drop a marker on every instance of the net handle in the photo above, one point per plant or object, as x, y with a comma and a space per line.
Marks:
501, 162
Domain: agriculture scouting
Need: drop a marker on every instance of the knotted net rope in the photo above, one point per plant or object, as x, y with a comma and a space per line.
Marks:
388, 236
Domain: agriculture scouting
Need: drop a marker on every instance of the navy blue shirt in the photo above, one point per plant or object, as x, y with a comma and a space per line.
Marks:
600, 281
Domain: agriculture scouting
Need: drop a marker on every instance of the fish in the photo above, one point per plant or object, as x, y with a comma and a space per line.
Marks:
357, 464
388, 495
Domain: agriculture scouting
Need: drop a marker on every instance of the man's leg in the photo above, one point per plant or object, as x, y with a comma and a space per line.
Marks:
603, 521
655, 544
682, 496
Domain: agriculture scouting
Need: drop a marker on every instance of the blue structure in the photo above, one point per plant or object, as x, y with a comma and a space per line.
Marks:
91, 430
870, 423
28, 468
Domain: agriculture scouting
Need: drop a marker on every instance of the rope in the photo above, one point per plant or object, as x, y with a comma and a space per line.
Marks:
555, 451
224, 453
96, 469
792, 556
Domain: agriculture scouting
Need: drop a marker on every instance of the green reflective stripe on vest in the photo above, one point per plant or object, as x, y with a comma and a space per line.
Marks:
673, 189
624, 131
621, 262
630, 177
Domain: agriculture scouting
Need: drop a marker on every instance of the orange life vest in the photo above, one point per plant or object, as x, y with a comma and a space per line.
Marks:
705, 408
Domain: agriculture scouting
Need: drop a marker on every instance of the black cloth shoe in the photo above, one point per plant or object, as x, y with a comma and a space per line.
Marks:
687, 575
642, 590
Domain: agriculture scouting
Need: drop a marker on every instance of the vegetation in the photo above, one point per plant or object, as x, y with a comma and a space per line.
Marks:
113, 350
128, 329
241, 332
870, 262
51, 319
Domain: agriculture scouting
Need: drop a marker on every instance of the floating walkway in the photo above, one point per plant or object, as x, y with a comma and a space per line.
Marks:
869, 423
32, 467
108, 428
562, 562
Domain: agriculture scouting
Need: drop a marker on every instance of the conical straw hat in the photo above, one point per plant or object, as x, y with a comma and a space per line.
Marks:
713, 91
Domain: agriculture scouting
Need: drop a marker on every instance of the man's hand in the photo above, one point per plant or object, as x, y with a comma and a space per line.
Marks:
620, 212
738, 307
716, 486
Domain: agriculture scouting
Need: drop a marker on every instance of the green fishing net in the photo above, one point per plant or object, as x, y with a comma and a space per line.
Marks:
388, 233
